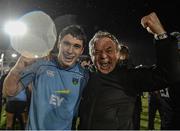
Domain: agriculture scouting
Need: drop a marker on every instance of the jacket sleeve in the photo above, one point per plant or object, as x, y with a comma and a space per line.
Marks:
167, 58
164, 73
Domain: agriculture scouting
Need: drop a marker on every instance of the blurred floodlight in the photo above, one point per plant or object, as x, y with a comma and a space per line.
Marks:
14, 55
36, 56
15, 28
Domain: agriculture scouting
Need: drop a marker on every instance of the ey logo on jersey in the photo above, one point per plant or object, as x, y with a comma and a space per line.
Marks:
56, 100
75, 81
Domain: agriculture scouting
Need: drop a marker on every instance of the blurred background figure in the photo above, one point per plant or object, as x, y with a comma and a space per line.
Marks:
174, 93
166, 109
86, 62
2, 99
124, 55
153, 107
16, 109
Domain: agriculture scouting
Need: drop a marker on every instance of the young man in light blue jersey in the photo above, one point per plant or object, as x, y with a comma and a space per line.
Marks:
57, 83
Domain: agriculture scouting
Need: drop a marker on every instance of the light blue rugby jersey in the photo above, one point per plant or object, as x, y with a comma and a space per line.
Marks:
56, 94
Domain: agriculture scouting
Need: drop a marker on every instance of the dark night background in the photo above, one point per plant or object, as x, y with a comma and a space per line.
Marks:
120, 17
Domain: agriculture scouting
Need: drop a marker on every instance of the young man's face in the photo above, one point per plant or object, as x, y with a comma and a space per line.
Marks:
70, 48
106, 55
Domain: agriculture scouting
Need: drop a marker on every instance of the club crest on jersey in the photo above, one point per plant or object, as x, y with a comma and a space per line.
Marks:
50, 73
75, 81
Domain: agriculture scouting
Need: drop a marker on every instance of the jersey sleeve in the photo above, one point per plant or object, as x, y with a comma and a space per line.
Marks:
28, 75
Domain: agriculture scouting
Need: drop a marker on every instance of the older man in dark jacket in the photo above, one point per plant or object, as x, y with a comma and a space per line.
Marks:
109, 98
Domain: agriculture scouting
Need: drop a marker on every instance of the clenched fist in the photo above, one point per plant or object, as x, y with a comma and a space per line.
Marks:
152, 23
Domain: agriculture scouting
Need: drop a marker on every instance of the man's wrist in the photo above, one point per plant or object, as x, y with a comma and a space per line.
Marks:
161, 36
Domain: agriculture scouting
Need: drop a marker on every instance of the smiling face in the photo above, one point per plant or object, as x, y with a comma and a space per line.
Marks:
105, 55
70, 48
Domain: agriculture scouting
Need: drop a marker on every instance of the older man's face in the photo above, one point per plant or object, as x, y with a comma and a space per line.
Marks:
105, 56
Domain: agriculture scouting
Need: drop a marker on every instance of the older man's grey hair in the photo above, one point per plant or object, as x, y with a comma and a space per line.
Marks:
102, 34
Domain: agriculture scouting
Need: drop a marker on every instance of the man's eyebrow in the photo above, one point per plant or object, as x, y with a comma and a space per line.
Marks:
66, 42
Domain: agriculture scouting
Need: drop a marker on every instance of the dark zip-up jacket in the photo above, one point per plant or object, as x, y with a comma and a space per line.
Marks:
108, 100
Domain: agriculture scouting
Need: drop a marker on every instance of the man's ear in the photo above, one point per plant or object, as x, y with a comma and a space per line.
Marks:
118, 55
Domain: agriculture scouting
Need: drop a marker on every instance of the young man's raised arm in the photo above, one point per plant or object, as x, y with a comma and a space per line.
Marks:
12, 84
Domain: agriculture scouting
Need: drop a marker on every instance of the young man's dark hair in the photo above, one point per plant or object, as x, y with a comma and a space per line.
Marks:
74, 30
